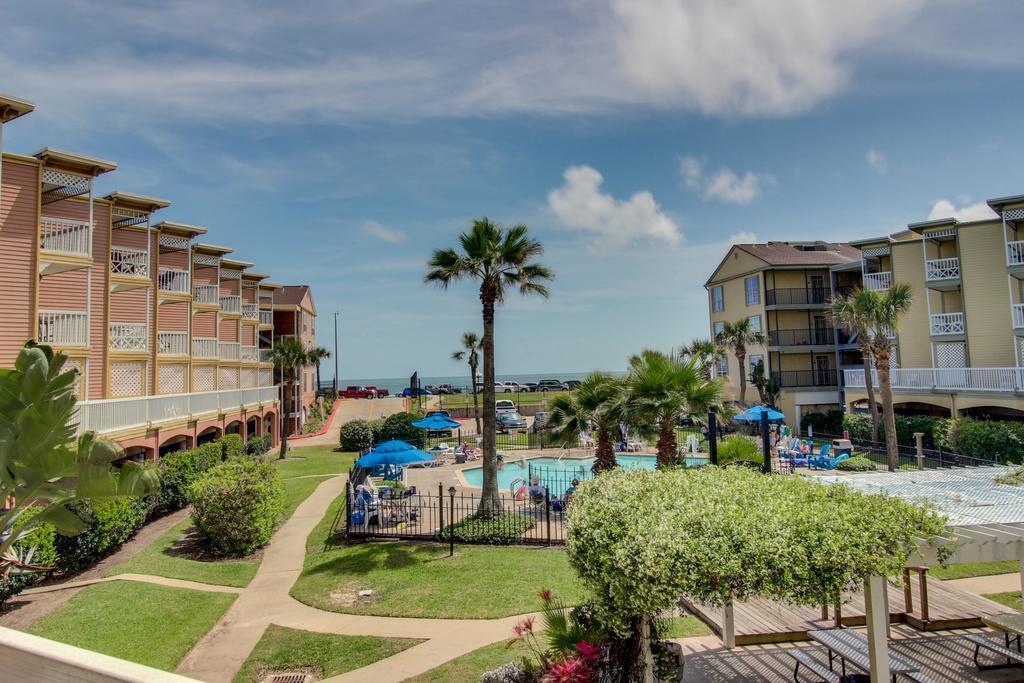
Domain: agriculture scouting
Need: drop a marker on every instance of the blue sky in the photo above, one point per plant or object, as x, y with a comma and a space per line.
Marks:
337, 144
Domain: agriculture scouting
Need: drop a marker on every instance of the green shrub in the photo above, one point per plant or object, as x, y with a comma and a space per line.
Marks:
830, 422
857, 463
258, 446
111, 523
859, 426
43, 540
231, 446
236, 505
375, 427
983, 439
506, 528
178, 471
357, 436
399, 426
738, 447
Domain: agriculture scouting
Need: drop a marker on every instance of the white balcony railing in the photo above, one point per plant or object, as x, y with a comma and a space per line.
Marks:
121, 413
250, 311
942, 269
206, 294
173, 280
264, 355
879, 281
1018, 314
61, 236
129, 336
947, 323
172, 343
231, 303
249, 354
228, 350
129, 262
945, 379
266, 317
1015, 253
64, 328
204, 347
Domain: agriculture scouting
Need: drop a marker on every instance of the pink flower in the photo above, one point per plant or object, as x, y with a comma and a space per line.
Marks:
527, 625
571, 670
545, 595
588, 651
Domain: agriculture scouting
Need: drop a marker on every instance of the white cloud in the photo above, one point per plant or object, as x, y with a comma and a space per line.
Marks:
724, 185
579, 204
877, 160
743, 237
944, 208
382, 232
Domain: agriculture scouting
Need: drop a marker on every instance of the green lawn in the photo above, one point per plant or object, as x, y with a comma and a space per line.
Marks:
419, 580
471, 665
140, 622
306, 460
1011, 600
683, 627
282, 649
967, 570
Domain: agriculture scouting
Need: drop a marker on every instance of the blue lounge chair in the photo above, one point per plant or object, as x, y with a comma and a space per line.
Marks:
826, 462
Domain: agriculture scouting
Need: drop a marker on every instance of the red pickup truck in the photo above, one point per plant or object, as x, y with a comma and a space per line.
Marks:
381, 393
358, 392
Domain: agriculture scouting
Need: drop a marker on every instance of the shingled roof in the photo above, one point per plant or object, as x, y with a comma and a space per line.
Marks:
786, 254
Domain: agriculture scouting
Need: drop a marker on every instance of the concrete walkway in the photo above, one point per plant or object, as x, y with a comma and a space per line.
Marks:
352, 409
984, 585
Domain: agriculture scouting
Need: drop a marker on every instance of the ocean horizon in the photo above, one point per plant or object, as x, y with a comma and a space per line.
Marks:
397, 384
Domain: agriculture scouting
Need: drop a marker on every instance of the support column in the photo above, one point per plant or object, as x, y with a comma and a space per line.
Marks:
1021, 576
877, 623
729, 625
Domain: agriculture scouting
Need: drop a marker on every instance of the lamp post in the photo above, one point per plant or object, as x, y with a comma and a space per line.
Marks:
451, 521
336, 312
766, 449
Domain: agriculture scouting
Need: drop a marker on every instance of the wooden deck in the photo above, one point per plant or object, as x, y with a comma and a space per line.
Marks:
770, 621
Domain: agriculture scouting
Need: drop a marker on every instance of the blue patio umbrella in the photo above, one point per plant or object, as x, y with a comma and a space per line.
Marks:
393, 452
436, 422
754, 414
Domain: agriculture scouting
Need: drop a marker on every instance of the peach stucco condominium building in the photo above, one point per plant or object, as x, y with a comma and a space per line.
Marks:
171, 335
295, 316
958, 352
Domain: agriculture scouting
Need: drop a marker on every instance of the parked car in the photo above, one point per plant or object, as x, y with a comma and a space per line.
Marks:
358, 392
379, 393
447, 389
513, 385
504, 406
499, 388
529, 386
541, 421
409, 391
510, 420
550, 385
572, 384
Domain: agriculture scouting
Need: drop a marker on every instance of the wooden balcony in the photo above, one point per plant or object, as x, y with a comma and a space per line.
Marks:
172, 343
878, 281
231, 303
229, 351
173, 281
945, 379
251, 312
63, 245
942, 273
64, 328
204, 348
129, 337
206, 295
943, 324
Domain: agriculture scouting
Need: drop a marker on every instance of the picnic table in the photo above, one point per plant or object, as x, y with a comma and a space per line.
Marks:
1010, 623
851, 646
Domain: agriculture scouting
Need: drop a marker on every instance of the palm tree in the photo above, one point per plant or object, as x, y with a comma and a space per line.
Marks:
886, 311
317, 354
664, 388
288, 356
598, 400
471, 352
853, 313
737, 336
499, 259
707, 353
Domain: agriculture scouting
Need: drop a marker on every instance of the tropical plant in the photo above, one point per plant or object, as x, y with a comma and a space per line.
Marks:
662, 389
43, 466
499, 259
599, 400
853, 313
471, 353
236, 505
737, 336
289, 357
857, 463
707, 353
316, 355
767, 387
356, 436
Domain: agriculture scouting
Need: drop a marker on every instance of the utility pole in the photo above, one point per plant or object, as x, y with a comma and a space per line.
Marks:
336, 312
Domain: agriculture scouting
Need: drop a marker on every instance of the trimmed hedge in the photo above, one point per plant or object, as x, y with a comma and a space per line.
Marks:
232, 446
859, 425
505, 529
983, 439
857, 463
258, 446
399, 426
738, 447
236, 505
356, 435
178, 471
825, 423
112, 523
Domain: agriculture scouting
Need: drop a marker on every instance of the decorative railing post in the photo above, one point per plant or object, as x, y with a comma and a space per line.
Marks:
547, 512
440, 507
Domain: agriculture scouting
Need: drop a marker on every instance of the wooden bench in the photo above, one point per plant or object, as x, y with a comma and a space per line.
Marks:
813, 665
983, 642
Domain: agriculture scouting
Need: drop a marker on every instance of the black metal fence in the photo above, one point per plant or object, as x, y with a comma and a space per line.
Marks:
516, 440
931, 458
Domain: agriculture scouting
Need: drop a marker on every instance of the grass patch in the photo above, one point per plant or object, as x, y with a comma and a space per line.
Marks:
306, 460
969, 569
526, 398
140, 622
328, 654
419, 580
471, 665
1011, 599
506, 528
683, 627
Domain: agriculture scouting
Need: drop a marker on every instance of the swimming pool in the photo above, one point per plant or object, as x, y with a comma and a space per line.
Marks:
554, 473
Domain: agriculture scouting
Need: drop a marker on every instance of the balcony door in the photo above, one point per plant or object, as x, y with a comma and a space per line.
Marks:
818, 294
821, 331
822, 372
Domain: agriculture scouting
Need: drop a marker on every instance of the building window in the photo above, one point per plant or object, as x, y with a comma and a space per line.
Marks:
717, 299
754, 360
753, 290
719, 328
755, 323
722, 369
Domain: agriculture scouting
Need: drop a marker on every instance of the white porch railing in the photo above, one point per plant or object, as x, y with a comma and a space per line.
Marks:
264, 355
249, 354
228, 350
1018, 314
880, 281
942, 269
250, 311
945, 379
173, 280
947, 323
129, 336
172, 343
206, 294
129, 262
1015, 253
204, 347
64, 328
231, 303
61, 236
122, 413
266, 317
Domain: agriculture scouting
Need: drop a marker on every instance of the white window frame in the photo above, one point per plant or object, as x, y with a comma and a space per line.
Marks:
722, 369
717, 299
758, 319
752, 361
756, 279
717, 328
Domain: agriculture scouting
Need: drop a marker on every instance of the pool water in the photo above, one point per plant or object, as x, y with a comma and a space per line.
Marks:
554, 473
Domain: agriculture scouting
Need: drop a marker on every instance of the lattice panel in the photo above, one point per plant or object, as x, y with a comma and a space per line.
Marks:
126, 378
950, 355
1013, 215
172, 378
204, 378
228, 378
206, 260
78, 364
175, 242
1020, 351
876, 251
266, 377
123, 216
230, 275
248, 378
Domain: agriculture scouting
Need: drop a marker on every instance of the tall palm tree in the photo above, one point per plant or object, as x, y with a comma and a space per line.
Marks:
886, 311
471, 353
499, 259
598, 400
736, 336
289, 356
853, 313
662, 389
317, 354
707, 353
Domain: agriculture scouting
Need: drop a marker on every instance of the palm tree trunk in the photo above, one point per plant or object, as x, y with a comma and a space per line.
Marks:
870, 386
667, 447
882, 362
285, 410
490, 503
741, 359
604, 458
318, 377
476, 398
